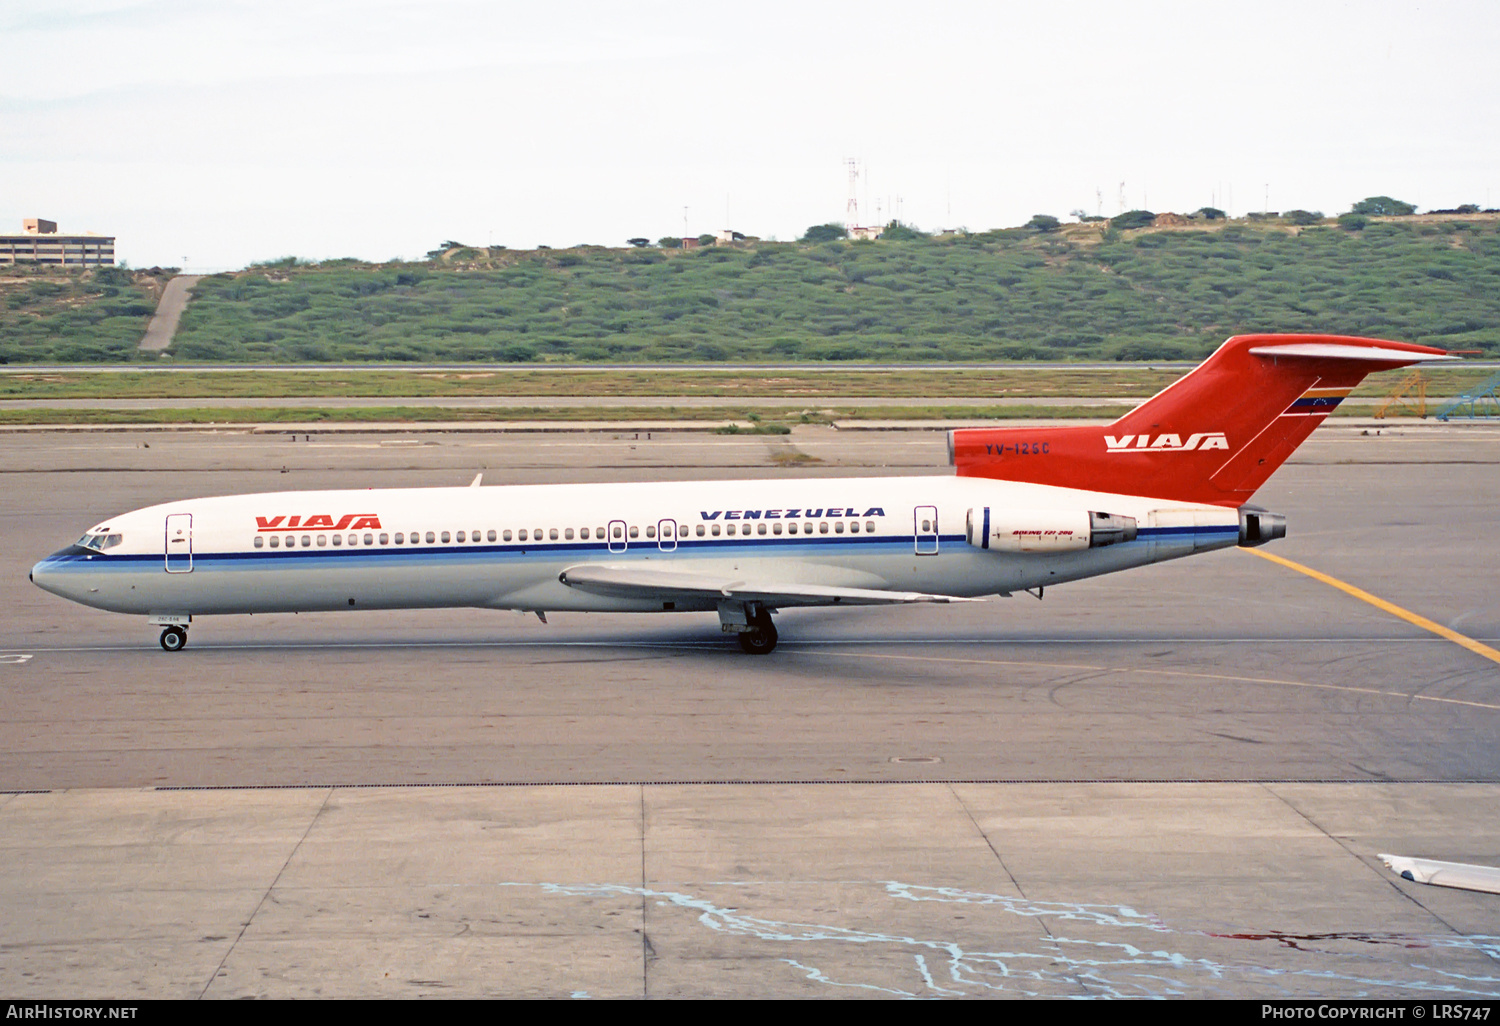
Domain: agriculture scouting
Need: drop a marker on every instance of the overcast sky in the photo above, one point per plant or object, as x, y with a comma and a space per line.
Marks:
215, 134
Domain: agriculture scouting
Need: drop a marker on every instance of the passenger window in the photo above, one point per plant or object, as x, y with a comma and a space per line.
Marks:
338, 540
567, 534
635, 532
431, 537
701, 531
506, 536
322, 540
854, 527
552, 534
460, 536
760, 528
823, 527
619, 532
259, 542
869, 527
599, 532
776, 527
369, 540
714, 530
354, 539
651, 532
385, 539
275, 542
584, 533
522, 534
400, 538
291, 541
807, 528
492, 535
445, 537
536, 534
926, 526
838, 527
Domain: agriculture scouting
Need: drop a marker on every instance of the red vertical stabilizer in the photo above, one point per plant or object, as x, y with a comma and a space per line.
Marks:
1212, 436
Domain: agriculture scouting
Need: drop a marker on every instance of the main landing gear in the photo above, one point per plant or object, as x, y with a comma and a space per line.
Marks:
760, 637
174, 639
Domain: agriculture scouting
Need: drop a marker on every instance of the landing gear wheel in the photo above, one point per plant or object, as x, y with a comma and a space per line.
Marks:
761, 638
173, 639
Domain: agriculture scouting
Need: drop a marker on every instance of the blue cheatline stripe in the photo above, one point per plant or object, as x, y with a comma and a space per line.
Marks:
390, 555
576, 550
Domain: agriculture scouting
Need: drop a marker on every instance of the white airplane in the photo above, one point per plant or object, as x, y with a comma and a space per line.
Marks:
1028, 508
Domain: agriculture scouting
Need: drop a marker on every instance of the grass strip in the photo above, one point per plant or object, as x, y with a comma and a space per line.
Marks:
424, 414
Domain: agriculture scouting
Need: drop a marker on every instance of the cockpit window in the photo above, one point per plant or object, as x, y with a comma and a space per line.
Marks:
100, 541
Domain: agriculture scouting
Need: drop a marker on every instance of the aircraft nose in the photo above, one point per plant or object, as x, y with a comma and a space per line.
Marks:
48, 575
41, 576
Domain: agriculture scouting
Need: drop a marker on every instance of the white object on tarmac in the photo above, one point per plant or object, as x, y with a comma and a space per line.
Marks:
1445, 874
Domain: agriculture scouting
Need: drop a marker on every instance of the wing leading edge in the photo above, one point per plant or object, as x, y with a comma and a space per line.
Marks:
638, 582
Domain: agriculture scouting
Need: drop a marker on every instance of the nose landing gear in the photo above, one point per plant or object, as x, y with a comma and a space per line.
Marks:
174, 639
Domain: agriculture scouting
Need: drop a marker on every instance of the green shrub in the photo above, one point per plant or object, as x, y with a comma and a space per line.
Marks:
825, 233
1382, 206
1132, 219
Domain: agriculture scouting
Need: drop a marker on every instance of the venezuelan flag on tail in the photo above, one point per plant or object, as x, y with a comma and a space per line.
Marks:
1213, 436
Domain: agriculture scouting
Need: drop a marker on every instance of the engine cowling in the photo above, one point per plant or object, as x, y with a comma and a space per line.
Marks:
1258, 526
1046, 530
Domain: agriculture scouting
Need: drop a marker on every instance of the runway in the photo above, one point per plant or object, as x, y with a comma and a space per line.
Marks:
934, 801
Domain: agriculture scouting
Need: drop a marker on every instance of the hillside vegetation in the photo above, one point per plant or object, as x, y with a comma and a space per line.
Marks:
1084, 292
75, 317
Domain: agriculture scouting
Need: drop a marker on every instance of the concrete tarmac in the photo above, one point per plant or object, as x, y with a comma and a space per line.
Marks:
1173, 781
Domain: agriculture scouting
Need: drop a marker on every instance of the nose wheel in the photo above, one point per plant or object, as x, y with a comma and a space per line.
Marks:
174, 639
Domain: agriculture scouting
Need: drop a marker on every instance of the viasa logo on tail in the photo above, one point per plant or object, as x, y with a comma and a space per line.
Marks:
1166, 443
319, 522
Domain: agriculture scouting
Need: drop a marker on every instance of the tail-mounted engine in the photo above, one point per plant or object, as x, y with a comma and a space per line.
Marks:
1257, 526
1046, 530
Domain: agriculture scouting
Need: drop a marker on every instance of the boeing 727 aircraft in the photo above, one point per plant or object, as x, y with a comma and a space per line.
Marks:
1028, 508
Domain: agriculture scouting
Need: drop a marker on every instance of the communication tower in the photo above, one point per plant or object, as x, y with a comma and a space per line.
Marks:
851, 210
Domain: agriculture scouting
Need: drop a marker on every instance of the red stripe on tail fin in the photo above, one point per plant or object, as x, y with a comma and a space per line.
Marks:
1212, 436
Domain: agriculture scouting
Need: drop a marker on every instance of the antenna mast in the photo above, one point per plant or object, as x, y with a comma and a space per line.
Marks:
851, 210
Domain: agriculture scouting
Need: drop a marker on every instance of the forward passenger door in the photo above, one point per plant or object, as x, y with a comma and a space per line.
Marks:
179, 543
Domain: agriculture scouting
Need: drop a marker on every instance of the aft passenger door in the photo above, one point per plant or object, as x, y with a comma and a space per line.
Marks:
179, 546
925, 530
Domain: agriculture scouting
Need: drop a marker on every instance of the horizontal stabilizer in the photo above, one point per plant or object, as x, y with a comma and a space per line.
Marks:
648, 583
1341, 351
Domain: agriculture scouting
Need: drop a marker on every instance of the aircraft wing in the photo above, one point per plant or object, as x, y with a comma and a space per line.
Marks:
640, 582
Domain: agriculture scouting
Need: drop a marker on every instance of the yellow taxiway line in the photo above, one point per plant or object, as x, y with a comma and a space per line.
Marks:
1389, 607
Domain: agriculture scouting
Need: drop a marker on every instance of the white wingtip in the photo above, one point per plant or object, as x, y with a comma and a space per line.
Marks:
477, 477
1462, 875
